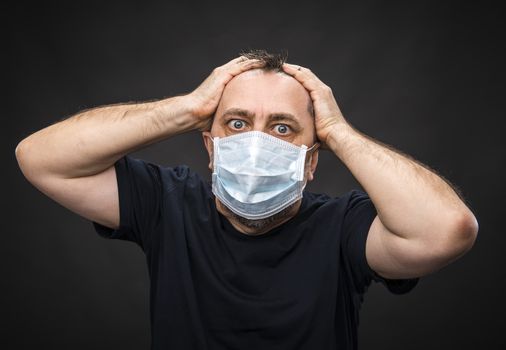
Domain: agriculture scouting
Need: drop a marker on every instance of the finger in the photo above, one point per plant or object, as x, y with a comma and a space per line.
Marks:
232, 64
307, 78
243, 66
292, 66
241, 60
236, 60
223, 74
301, 72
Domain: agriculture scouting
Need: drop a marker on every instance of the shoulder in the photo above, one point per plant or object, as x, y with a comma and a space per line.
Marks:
168, 178
333, 208
178, 173
347, 200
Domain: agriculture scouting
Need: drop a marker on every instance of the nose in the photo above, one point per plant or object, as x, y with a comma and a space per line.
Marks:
260, 124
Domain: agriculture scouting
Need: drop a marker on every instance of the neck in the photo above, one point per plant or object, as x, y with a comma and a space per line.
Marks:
255, 229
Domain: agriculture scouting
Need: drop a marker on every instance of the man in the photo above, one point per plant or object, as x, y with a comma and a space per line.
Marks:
252, 261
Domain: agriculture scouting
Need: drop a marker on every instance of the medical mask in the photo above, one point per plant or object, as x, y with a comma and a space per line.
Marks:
257, 175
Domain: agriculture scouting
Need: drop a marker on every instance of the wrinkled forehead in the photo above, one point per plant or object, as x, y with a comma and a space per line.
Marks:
267, 91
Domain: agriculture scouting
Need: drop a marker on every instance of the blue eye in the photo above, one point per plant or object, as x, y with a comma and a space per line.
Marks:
282, 129
237, 124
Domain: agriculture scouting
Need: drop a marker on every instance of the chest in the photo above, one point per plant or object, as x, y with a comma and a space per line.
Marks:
262, 282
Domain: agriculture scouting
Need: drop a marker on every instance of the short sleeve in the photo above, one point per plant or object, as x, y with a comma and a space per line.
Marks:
359, 216
139, 191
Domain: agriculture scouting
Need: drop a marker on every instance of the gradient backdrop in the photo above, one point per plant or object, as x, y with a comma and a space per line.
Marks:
425, 77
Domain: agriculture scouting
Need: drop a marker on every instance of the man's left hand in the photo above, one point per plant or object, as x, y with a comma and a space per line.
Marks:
327, 113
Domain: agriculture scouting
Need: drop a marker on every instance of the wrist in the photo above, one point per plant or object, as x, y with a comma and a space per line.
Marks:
339, 136
177, 112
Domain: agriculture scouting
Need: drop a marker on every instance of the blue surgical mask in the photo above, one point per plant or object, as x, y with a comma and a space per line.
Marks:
257, 175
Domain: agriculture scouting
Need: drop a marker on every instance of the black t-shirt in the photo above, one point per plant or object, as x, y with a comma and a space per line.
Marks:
298, 286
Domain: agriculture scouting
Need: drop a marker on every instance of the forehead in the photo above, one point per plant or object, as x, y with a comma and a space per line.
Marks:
266, 92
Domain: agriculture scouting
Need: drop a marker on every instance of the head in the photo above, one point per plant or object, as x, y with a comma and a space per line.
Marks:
265, 99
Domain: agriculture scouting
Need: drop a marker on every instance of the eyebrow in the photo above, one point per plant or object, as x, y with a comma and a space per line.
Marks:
272, 117
238, 112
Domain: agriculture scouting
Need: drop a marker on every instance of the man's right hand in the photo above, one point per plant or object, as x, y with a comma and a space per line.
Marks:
206, 97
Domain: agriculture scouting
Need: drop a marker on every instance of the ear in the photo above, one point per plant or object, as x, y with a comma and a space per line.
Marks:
313, 162
208, 142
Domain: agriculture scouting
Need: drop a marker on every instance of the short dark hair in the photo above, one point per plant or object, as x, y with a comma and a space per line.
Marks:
272, 62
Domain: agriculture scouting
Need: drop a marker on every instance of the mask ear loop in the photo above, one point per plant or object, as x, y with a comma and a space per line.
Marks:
313, 148
216, 141
310, 151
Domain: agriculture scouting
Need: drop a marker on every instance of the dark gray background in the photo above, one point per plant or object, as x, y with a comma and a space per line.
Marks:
425, 77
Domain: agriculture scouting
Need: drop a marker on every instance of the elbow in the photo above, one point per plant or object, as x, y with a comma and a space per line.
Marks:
19, 153
463, 233
468, 228
22, 153
452, 241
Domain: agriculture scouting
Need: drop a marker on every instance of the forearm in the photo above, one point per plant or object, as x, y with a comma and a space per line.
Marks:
412, 201
93, 140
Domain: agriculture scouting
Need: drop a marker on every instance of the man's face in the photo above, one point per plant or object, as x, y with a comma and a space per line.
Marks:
274, 103
270, 102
